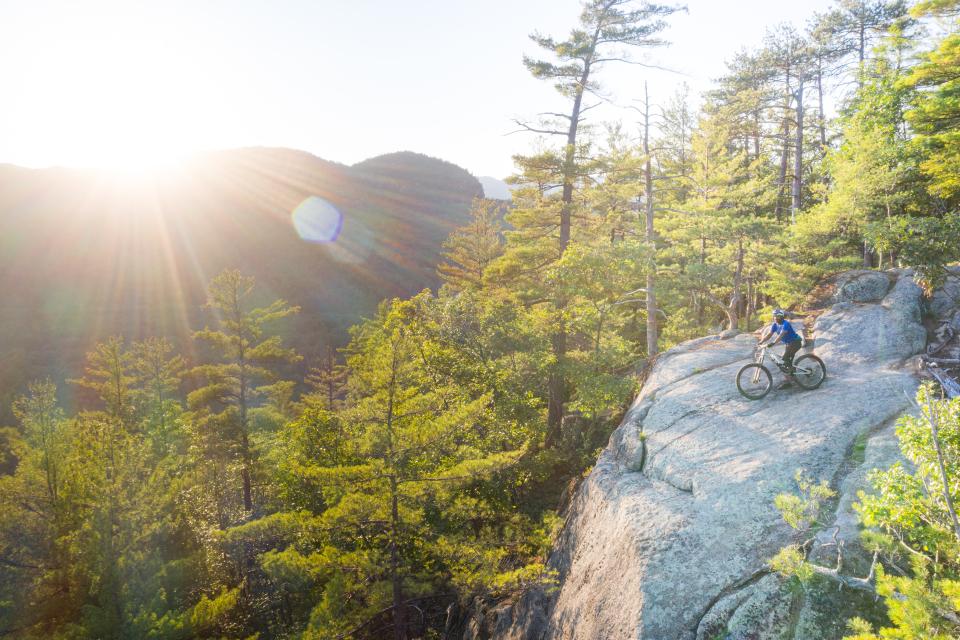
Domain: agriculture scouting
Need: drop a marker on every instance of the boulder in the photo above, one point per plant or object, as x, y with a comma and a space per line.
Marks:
670, 534
862, 286
946, 299
855, 334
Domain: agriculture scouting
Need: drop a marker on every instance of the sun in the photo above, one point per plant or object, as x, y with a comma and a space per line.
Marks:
124, 134
117, 96
131, 147
137, 161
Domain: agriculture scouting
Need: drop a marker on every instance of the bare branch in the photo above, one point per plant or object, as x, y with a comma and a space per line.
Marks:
525, 128
555, 114
646, 65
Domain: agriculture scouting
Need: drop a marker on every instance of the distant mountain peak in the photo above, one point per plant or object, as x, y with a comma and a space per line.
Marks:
495, 189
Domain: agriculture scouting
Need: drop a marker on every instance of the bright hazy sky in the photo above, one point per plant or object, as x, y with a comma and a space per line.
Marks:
101, 83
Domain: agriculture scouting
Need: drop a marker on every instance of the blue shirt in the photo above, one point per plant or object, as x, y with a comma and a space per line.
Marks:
785, 331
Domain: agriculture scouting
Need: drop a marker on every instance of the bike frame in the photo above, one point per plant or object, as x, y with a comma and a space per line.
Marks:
762, 354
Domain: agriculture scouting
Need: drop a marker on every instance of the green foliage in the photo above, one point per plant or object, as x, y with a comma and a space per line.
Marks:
108, 374
599, 281
157, 374
801, 510
223, 406
209, 611
791, 562
471, 249
874, 171
909, 523
604, 24
935, 111
929, 244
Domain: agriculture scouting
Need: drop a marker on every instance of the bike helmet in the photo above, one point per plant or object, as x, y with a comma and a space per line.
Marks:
778, 313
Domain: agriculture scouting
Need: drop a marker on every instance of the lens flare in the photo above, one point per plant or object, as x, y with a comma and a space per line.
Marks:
316, 220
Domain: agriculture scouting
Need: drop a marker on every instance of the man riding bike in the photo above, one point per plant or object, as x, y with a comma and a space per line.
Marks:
782, 331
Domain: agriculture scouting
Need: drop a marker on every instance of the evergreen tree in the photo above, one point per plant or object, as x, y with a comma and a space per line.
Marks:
873, 171
393, 469
471, 249
326, 382
108, 374
244, 374
935, 113
38, 589
910, 523
157, 373
604, 25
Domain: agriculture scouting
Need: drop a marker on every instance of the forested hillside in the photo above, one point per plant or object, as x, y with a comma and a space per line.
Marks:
200, 488
89, 254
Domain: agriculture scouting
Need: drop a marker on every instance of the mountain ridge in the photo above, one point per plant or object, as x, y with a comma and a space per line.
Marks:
132, 256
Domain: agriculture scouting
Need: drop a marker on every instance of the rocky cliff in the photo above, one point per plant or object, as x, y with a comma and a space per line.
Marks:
669, 536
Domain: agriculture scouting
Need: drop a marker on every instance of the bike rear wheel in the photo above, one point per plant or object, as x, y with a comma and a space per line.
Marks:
809, 371
754, 381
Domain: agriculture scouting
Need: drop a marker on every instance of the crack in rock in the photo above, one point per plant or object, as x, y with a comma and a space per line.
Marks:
729, 590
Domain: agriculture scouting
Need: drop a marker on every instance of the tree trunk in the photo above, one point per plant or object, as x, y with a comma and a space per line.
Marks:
798, 155
556, 385
784, 152
556, 390
948, 498
570, 157
728, 309
821, 118
399, 619
862, 53
245, 475
703, 261
650, 237
733, 308
331, 382
757, 129
245, 447
396, 580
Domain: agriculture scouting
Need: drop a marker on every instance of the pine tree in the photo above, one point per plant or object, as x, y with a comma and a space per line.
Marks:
935, 113
108, 374
604, 25
157, 372
39, 589
874, 172
472, 248
391, 472
244, 373
854, 25
326, 382
44, 430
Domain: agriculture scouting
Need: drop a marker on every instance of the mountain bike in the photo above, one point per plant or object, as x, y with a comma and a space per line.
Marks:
754, 380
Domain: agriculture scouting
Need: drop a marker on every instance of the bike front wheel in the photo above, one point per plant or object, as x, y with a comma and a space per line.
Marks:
809, 371
754, 381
